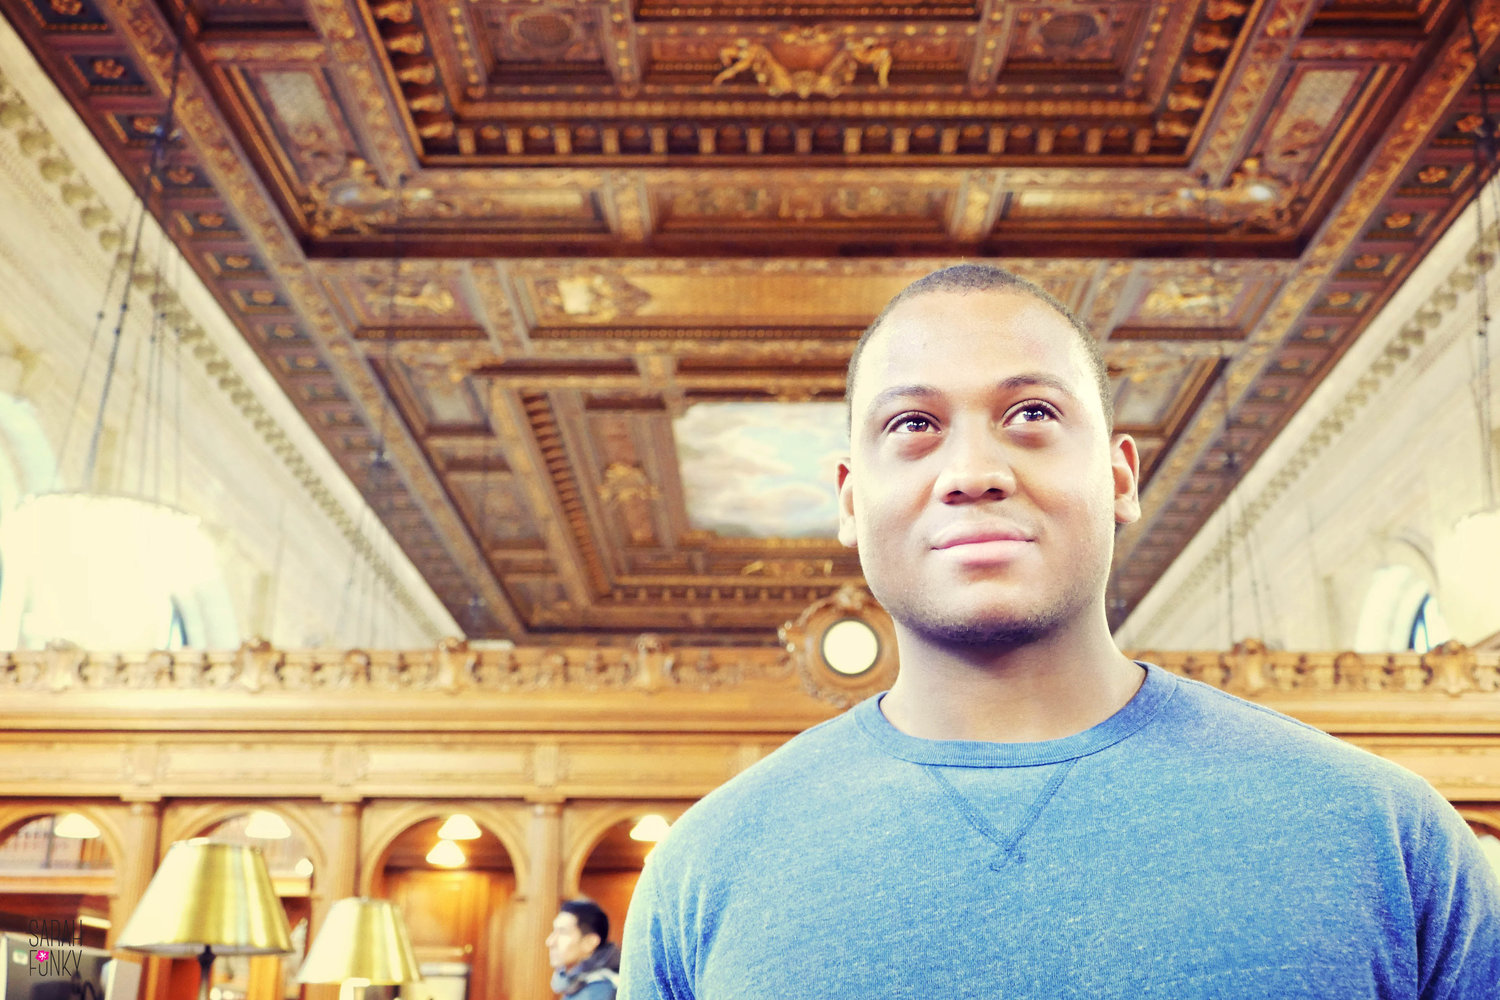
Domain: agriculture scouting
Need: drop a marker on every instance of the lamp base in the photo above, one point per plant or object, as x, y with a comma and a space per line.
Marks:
205, 972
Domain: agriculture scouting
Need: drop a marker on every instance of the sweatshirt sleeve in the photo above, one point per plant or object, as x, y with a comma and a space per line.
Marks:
652, 965
1457, 897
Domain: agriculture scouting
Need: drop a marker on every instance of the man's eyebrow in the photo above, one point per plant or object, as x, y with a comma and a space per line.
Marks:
884, 396
1024, 380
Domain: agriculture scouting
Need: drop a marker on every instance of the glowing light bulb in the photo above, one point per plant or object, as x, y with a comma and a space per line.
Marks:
651, 827
266, 825
1261, 191
459, 827
75, 826
446, 854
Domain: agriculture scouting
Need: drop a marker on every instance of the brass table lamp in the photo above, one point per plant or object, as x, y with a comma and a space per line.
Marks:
208, 899
362, 941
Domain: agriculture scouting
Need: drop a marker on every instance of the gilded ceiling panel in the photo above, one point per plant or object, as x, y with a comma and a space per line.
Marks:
564, 295
1104, 35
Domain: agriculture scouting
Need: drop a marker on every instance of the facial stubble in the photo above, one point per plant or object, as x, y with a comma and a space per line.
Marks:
993, 629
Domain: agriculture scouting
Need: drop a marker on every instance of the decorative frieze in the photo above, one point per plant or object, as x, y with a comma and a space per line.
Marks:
652, 665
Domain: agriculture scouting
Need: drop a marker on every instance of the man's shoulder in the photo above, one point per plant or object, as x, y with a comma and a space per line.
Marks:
1225, 726
828, 744
774, 782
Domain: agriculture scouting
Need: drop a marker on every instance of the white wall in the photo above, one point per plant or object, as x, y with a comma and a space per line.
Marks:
1372, 474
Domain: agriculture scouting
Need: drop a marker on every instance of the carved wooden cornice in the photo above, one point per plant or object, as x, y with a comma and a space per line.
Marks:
652, 684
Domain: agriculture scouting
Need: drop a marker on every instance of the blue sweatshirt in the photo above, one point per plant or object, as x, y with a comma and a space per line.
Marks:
1191, 845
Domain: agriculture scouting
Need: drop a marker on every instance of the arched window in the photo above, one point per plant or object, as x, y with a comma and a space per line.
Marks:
177, 637
1428, 628
1398, 599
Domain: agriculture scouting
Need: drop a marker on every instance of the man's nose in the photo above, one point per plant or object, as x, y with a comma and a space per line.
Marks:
976, 465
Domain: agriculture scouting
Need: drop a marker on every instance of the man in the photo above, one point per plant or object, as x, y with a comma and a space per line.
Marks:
1027, 812
585, 963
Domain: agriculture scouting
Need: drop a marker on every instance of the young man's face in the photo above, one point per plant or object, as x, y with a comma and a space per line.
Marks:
982, 488
567, 945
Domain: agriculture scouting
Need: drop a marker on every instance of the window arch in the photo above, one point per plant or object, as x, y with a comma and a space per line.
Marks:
1428, 626
177, 637
1399, 613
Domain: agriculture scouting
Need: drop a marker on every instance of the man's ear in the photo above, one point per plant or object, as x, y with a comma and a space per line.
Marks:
1125, 466
847, 536
591, 936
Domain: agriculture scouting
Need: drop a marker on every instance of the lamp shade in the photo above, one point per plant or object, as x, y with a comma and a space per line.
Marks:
122, 558
209, 894
361, 938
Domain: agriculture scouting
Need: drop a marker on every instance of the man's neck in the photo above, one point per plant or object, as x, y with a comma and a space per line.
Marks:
1048, 689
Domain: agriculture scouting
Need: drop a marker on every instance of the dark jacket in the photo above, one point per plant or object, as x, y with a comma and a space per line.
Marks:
592, 979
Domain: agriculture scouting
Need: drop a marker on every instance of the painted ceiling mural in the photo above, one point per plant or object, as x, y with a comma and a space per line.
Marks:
762, 470
580, 251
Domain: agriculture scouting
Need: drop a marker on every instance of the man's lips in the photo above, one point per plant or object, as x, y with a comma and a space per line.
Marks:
955, 537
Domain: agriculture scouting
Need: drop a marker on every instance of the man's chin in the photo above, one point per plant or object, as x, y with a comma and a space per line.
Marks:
986, 630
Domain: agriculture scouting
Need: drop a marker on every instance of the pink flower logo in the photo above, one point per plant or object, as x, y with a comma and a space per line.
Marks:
42, 955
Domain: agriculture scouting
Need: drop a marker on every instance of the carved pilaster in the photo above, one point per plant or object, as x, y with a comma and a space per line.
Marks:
338, 876
140, 830
544, 843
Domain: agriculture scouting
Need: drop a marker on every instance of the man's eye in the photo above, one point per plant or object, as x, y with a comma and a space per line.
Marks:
911, 423
1029, 413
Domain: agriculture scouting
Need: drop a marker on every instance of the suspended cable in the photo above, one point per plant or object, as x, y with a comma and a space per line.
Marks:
109, 285
164, 130
177, 390
360, 601
1484, 149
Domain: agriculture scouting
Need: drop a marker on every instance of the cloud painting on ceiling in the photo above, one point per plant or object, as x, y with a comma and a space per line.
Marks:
762, 470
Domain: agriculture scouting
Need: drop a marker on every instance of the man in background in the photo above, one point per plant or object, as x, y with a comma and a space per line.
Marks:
585, 963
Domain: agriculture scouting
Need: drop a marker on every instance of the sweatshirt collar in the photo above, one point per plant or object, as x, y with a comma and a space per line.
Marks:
1154, 693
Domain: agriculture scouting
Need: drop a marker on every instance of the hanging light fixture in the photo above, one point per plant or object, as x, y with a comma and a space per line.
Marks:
459, 827
97, 566
75, 826
650, 827
266, 825
64, 552
446, 854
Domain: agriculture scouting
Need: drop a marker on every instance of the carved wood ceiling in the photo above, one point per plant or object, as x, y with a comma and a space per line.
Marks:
529, 244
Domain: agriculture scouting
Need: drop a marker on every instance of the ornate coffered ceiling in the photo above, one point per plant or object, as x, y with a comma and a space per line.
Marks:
591, 269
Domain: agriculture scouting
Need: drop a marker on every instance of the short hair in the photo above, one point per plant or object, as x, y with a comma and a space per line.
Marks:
988, 278
591, 919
